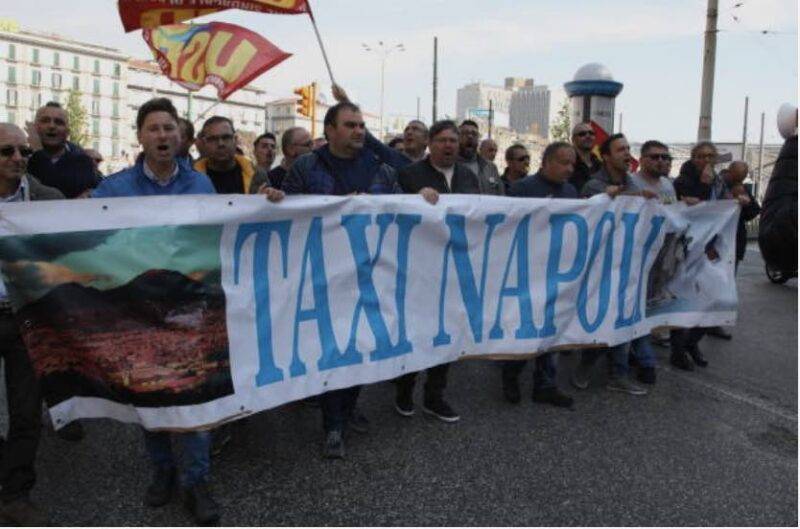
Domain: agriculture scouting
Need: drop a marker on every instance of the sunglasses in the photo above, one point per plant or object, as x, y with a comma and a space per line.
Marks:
8, 151
525, 158
583, 133
656, 157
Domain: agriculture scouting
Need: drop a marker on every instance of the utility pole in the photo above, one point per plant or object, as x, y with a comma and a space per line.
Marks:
491, 118
709, 59
435, 75
620, 123
744, 129
757, 186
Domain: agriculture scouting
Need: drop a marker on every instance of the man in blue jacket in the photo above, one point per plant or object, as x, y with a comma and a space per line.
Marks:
158, 172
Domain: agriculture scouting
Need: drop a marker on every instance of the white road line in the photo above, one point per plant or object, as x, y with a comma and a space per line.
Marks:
762, 404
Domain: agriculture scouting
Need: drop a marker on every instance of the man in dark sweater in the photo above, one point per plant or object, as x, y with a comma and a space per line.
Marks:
587, 163
551, 181
59, 163
229, 172
341, 167
439, 172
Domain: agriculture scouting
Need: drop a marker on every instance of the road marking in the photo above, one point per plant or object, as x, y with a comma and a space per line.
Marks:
756, 402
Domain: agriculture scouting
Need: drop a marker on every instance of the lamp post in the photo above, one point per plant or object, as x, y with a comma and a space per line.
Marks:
383, 51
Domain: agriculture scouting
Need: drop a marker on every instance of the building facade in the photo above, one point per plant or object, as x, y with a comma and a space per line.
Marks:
530, 110
472, 101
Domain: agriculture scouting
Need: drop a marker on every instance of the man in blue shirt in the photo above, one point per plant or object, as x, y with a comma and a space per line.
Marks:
158, 172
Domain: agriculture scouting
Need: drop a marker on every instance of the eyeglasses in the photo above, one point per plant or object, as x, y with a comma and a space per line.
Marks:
525, 158
7, 151
656, 157
583, 133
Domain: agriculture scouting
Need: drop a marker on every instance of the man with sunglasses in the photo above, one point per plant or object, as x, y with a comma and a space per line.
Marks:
17, 475
654, 166
518, 163
587, 163
60, 163
228, 171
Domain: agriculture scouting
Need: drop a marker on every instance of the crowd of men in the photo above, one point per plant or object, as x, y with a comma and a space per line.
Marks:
443, 158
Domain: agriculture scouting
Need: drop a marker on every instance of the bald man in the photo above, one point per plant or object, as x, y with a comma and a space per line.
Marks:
60, 163
587, 163
488, 150
17, 475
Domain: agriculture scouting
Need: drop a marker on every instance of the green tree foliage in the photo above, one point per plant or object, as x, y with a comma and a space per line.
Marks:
77, 119
559, 128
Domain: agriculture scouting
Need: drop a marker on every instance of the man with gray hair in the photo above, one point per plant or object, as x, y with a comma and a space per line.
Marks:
488, 150
17, 475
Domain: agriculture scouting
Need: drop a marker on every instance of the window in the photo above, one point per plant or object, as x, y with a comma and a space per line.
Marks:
11, 97
12, 52
36, 78
96, 145
12, 117
95, 127
56, 59
76, 83
12, 75
95, 107
55, 98
115, 110
116, 89
96, 86
115, 149
56, 80
35, 59
36, 100
76, 62
115, 130
96, 66
117, 69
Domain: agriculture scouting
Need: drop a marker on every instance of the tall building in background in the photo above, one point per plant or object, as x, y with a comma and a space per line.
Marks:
472, 101
530, 110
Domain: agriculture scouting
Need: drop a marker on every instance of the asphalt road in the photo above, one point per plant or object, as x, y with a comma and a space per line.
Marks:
714, 447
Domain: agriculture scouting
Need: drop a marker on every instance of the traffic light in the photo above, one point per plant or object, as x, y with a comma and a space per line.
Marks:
305, 107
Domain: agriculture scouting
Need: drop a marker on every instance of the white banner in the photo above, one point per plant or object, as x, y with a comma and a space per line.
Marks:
181, 312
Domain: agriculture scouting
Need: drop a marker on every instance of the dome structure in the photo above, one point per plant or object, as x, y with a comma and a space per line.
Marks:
594, 71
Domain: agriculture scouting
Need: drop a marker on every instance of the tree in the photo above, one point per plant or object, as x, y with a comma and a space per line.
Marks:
559, 128
76, 115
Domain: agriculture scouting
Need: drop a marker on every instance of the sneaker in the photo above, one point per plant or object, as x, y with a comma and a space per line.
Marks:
220, 437
358, 422
552, 396
625, 386
404, 403
334, 445
159, 492
719, 332
697, 356
511, 390
647, 375
72, 432
681, 361
201, 504
581, 376
22, 512
441, 410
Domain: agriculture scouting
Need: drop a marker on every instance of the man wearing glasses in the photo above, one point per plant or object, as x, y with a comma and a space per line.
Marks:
587, 163
518, 163
17, 475
655, 163
228, 171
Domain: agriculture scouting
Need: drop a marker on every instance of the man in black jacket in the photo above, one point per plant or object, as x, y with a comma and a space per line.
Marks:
59, 163
551, 181
587, 163
439, 172
777, 229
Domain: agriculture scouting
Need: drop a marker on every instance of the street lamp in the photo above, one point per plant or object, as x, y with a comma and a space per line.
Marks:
383, 51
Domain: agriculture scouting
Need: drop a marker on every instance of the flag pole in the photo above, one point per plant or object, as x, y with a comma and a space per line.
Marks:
319, 39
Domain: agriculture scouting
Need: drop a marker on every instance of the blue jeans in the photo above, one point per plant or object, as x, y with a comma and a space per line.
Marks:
544, 371
196, 454
617, 355
642, 350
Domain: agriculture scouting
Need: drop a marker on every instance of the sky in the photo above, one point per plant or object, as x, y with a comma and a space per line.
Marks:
653, 47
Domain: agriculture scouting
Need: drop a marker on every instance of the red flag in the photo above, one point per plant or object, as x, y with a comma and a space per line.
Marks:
148, 14
223, 55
